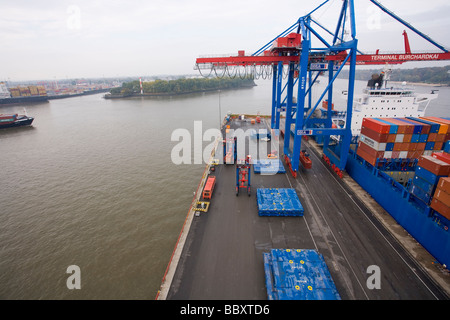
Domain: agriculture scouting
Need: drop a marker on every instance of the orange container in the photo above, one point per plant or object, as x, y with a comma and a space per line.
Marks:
209, 187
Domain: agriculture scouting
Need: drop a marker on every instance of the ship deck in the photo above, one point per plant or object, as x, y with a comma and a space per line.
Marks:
222, 256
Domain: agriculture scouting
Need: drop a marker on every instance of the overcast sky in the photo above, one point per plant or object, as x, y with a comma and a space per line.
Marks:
50, 39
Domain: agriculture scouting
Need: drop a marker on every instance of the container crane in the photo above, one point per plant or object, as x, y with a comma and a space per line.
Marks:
291, 50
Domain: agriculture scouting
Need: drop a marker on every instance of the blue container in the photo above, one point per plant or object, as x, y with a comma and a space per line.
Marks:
420, 194
427, 175
415, 137
417, 127
393, 127
447, 146
434, 127
390, 146
429, 145
298, 274
423, 138
423, 184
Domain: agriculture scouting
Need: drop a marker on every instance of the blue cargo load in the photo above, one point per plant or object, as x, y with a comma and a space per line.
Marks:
427, 175
278, 202
298, 274
447, 146
393, 127
268, 166
434, 127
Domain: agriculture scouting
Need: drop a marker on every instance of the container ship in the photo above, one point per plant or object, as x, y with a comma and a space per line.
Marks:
14, 120
21, 95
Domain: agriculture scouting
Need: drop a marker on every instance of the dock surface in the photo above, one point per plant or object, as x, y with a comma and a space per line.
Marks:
222, 257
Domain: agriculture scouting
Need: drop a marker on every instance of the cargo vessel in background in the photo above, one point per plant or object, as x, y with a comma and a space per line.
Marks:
22, 95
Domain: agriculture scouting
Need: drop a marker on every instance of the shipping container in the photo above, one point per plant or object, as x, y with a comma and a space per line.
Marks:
375, 125
438, 145
379, 146
409, 126
434, 127
393, 128
442, 156
443, 127
447, 146
391, 138
380, 137
440, 208
425, 128
435, 166
402, 126
429, 145
444, 184
407, 137
372, 152
423, 184
427, 175
442, 196
417, 125
366, 156
432, 137
209, 187
415, 137
420, 194
389, 146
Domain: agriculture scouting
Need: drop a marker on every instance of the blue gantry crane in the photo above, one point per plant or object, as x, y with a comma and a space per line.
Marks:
291, 56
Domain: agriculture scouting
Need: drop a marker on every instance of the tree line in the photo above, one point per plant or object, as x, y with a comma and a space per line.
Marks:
182, 85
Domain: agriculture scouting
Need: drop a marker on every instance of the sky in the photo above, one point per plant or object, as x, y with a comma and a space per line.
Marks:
58, 39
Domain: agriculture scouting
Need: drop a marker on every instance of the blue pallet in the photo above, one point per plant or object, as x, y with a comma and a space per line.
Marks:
298, 274
278, 202
269, 166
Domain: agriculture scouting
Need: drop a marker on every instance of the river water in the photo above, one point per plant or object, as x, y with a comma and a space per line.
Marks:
92, 184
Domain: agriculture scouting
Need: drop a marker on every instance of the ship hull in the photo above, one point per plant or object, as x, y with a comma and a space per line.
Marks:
428, 229
23, 100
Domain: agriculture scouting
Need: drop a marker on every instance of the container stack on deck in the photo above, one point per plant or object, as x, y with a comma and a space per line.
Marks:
440, 202
385, 139
428, 173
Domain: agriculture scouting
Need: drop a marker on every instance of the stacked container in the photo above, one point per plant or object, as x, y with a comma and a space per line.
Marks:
441, 199
401, 138
428, 173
